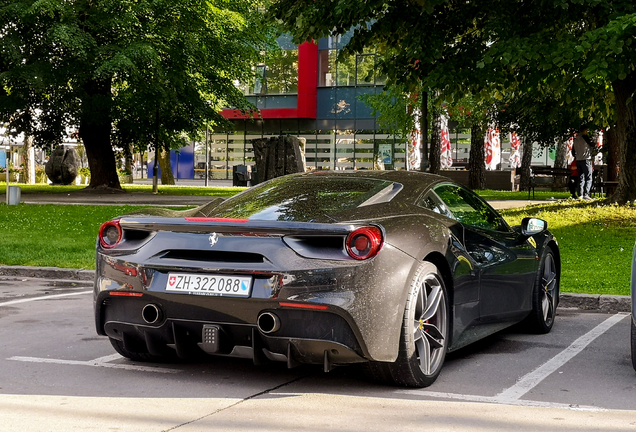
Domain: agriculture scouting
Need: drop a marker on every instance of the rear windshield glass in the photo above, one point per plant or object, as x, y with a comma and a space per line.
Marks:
302, 199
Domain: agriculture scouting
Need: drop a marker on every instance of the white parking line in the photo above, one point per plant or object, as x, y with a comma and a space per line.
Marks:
26, 300
469, 398
99, 362
512, 395
531, 380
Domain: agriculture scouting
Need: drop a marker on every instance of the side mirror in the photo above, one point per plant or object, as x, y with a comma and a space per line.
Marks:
532, 226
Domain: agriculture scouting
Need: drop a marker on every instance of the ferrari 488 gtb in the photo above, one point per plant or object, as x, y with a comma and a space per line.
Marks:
388, 268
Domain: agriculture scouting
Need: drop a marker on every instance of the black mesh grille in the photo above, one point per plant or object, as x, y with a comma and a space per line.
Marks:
214, 256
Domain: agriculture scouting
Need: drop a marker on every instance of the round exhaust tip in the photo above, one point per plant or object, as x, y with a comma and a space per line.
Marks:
268, 322
151, 313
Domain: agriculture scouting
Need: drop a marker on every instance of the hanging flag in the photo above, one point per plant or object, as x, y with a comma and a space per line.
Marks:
515, 156
488, 147
446, 153
414, 153
492, 146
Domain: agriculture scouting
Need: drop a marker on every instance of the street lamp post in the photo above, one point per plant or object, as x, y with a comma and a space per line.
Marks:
155, 169
6, 170
207, 157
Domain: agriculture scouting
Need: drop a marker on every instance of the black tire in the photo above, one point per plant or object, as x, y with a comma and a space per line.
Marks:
138, 356
425, 330
633, 343
545, 296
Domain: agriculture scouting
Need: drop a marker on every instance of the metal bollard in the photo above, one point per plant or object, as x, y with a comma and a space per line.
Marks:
13, 195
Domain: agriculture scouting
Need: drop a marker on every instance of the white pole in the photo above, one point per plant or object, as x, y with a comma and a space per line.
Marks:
6, 163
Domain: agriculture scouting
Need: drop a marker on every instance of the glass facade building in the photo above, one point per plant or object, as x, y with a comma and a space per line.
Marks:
308, 92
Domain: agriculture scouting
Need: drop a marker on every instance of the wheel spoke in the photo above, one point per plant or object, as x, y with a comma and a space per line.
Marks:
549, 273
420, 305
435, 337
549, 280
547, 306
547, 269
423, 348
417, 331
433, 303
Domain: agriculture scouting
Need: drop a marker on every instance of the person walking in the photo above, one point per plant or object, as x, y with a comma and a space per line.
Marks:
582, 150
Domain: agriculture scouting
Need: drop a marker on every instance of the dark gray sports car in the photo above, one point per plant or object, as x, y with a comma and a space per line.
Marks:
388, 268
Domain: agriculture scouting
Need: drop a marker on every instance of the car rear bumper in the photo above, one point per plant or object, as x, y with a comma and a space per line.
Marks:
352, 310
189, 331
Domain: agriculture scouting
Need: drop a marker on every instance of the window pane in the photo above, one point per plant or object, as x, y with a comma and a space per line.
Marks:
327, 68
468, 208
302, 199
365, 72
259, 82
431, 203
282, 71
346, 73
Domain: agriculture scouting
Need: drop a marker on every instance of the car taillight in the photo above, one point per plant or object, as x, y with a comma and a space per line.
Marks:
110, 234
364, 243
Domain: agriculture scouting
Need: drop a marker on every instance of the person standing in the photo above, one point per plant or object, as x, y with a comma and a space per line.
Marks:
582, 150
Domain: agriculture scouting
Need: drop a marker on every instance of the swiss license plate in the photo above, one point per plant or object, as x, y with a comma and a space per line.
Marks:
212, 285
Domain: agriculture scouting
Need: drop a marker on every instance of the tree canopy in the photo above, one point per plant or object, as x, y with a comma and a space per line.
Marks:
123, 71
569, 59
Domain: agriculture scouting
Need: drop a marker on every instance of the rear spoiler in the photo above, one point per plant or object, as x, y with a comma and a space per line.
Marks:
237, 226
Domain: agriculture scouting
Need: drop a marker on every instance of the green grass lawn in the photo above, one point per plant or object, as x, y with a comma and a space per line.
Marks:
539, 195
596, 243
133, 188
596, 240
53, 235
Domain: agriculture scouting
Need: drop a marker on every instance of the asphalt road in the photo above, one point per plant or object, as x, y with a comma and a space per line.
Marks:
56, 374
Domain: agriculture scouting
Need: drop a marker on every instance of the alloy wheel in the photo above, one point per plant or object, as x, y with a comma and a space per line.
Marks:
430, 325
548, 289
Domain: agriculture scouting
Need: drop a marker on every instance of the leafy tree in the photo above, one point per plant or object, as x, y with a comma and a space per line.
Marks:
581, 46
562, 51
154, 69
410, 37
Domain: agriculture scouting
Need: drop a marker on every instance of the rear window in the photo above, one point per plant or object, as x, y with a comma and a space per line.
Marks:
305, 199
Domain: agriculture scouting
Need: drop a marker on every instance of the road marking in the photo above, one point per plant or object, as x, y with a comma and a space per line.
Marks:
26, 300
98, 362
499, 401
532, 379
512, 395
467, 398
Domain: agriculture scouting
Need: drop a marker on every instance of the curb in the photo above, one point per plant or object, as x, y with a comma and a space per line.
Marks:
583, 302
596, 302
48, 273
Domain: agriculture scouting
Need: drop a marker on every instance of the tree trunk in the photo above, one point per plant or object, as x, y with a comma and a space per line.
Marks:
613, 154
166, 167
29, 160
626, 135
424, 132
95, 127
561, 161
435, 160
526, 161
476, 161
129, 159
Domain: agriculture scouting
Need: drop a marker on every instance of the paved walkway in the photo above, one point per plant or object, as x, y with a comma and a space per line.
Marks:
150, 199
